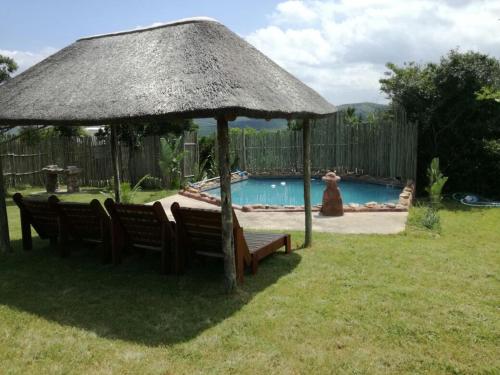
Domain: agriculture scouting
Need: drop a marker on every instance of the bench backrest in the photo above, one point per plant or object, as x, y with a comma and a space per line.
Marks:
201, 228
141, 224
40, 214
84, 221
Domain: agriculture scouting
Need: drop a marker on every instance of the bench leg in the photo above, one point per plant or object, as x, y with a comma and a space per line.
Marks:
116, 255
62, 244
106, 250
288, 244
240, 273
26, 233
164, 261
178, 257
239, 256
116, 244
255, 265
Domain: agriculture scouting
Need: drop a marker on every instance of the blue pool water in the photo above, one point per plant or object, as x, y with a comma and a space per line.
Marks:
290, 192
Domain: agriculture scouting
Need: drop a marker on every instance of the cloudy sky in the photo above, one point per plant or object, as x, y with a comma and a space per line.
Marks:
339, 47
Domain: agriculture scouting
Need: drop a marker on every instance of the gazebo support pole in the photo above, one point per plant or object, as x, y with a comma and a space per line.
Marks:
114, 161
4, 223
226, 204
306, 145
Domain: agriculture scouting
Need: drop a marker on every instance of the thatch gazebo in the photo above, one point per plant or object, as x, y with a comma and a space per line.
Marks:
185, 69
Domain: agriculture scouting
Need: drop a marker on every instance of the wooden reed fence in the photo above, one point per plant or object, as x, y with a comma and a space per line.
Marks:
386, 148
23, 162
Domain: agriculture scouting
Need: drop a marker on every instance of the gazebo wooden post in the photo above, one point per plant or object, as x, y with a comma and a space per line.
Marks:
226, 204
306, 146
116, 164
4, 223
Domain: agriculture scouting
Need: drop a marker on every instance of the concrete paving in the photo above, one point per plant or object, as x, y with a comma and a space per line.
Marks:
353, 223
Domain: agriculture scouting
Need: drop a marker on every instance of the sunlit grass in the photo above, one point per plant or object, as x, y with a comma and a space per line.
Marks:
418, 302
88, 193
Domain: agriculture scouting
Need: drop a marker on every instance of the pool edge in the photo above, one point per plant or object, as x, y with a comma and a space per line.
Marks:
405, 198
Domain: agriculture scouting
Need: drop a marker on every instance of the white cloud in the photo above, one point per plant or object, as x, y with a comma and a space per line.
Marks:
294, 11
25, 59
340, 47
302, 47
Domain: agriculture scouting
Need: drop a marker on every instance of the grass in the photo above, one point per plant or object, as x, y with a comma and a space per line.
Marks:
418, 302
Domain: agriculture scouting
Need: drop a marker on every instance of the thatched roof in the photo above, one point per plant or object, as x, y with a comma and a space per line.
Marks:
189, 68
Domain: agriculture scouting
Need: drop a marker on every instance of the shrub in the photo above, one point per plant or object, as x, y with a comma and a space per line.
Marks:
151, 183
127, 192
431, 219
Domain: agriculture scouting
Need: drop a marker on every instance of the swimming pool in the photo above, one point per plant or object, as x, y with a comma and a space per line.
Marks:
290, 192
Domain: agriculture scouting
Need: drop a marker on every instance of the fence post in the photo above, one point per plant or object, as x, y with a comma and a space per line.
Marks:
4, 223
306, 145
115, 159
13, 170
244, 149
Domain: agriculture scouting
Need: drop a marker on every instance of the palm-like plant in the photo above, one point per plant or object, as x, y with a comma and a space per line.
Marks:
436, 182
171, 156
127, 191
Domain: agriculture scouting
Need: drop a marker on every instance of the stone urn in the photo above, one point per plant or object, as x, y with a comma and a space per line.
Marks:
51, 180
72, 178
332, 200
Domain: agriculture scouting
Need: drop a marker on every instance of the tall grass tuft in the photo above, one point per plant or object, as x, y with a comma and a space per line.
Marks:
431, 219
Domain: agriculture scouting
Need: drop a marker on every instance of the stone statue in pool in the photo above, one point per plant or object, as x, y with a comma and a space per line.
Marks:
332, 200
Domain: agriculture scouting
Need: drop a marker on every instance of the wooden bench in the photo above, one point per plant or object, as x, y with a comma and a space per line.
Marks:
143, 227
199, 234
84, 222
39, 214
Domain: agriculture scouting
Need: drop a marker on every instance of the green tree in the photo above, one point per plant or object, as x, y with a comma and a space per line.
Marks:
294, 124
488, 93
69, 131
7, 67
453, 124
351, 116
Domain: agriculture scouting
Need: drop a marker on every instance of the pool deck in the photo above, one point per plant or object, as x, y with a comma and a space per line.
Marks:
350, 223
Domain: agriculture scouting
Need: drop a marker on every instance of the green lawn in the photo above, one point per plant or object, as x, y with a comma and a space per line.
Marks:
418, 302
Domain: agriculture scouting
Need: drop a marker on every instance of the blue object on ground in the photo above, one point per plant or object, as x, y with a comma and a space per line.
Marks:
473, 200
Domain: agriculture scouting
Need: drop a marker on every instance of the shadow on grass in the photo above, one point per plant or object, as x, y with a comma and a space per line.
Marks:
130, 302
448, 204
453, 205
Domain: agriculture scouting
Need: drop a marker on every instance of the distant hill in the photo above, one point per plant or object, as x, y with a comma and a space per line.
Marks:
365, 108
209, 125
